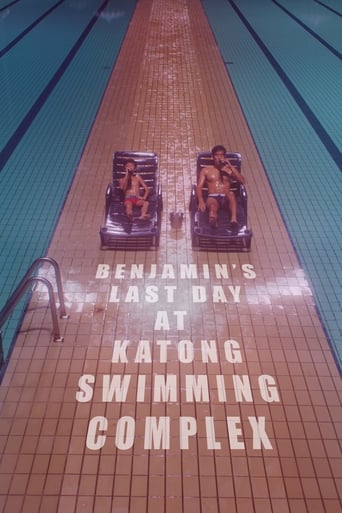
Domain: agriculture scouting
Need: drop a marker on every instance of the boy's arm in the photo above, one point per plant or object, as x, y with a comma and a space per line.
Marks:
199, 190
146, 189
123, 182
233, 171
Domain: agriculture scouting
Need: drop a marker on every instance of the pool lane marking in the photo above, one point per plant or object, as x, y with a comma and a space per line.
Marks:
25, 124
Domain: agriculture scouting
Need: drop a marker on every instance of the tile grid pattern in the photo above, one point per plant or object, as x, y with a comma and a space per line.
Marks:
46, 132
303, 167
44, 463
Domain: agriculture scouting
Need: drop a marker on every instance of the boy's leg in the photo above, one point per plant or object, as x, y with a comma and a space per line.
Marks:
233, 209
129, 209
233, 206
144, 207
212, 207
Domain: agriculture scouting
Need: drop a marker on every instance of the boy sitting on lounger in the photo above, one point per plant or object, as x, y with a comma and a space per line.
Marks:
130, 184
217, 178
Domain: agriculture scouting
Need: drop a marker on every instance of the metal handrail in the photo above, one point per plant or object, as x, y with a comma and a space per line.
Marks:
20, 290
49, 260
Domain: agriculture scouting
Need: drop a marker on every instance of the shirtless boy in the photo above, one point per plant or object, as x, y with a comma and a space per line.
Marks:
217, 178
131, 184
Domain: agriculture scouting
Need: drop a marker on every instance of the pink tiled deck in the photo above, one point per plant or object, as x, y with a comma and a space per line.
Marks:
273, 447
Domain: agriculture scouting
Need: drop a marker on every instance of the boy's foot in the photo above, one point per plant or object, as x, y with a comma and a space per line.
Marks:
234, 226
213, 222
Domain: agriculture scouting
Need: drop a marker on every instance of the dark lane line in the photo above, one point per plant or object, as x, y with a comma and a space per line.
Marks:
309, 30
39, 103
328, 7
29, 28
8, 5
325, 138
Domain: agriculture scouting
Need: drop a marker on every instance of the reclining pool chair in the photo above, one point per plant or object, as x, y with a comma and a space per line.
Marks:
221, 238
117, 231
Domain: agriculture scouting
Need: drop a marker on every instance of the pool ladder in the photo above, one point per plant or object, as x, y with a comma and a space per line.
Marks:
26, 281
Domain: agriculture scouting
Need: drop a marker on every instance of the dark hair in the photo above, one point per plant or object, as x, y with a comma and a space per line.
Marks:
131, 161
218, 148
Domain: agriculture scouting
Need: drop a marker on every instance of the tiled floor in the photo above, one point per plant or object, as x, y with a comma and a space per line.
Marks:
233, 397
